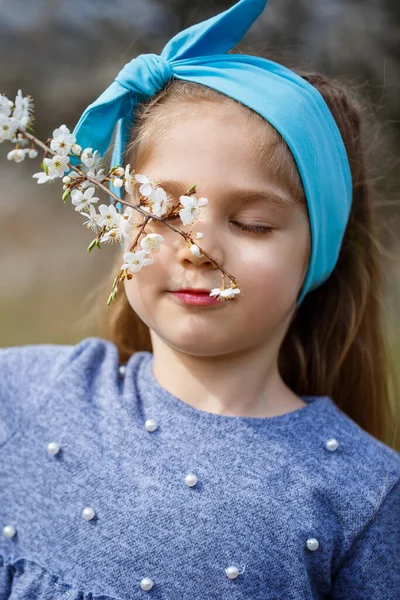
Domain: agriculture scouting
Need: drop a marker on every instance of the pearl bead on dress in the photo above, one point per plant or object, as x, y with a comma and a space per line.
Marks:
190, 479
53, 448
331, 444
122, 370
232, 572
151, 425
9, 531
146, 584
88, 513
312, 544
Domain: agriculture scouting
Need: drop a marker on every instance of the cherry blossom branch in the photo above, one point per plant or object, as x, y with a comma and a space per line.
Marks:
81, 182
116, 199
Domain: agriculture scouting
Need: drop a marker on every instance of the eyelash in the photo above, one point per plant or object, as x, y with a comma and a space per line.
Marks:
256, 229
253, 228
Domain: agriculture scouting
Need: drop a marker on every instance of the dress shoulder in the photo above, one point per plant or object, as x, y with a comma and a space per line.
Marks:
364, 474
26, 372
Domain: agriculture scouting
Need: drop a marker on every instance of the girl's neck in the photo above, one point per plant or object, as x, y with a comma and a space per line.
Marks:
246, 383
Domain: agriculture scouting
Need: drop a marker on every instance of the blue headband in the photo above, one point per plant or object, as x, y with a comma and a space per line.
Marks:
289, 103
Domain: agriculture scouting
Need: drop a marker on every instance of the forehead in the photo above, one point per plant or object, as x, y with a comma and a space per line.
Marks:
206, 130
216, 144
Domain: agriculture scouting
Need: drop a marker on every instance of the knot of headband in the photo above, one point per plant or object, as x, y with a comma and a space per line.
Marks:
145, 75
288, 102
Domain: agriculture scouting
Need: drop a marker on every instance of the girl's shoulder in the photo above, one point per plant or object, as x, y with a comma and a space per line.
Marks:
356, 450
27, 371
37, 361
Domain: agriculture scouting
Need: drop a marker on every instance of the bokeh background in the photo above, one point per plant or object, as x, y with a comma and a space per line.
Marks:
66, 52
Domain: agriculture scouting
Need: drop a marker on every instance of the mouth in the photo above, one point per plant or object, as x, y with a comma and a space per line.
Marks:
195, 297
192, 291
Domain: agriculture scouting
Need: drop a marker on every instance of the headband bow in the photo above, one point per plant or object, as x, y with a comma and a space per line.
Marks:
289, 103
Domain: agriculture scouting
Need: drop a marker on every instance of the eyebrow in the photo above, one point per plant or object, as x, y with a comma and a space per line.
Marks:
249, 196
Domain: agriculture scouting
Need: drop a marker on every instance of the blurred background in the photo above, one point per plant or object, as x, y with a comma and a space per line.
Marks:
66, 52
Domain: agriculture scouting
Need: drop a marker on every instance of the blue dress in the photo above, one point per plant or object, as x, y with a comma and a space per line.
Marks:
111, 488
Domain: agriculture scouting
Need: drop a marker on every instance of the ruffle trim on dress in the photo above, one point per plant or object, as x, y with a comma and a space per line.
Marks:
22, 578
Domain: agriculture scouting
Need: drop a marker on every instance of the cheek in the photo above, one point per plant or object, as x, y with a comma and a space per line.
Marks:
150, 280
272, 276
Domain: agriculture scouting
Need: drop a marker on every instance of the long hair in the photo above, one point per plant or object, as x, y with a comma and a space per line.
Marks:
337, 342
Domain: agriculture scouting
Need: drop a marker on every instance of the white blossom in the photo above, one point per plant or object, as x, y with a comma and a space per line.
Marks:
199, 235
62, 141
190, 210
8, 127
151, 242
225, 294
148, 184
82, 201
128, 212
135, 261
16, 155
94, 222
32, 153
5, 108
110, 215
129, 180
126, 223
159, 200
23, 109
195, 250
97, 175
90, 159
43, 178
121, 229
76, 149
113, 235
57, 165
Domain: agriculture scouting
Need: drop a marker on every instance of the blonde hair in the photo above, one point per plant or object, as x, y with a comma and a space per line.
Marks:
337, 344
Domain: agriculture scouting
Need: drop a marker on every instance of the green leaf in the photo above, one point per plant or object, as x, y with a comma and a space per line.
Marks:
65, 195
92, 245
111, 297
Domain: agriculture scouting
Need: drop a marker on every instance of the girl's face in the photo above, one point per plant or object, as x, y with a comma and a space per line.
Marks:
214, 148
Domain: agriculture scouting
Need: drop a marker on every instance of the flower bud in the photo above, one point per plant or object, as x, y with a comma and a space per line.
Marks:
195, 250
119, 172
117, 183
76, 149
16, 155
32, 153
66, 179
199, 235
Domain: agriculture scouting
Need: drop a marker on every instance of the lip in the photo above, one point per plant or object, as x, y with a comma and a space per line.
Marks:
195, 297
192, 291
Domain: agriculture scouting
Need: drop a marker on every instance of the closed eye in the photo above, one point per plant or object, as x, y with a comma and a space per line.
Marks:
253, 228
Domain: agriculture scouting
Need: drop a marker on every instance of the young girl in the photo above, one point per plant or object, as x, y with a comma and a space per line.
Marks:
217, 450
